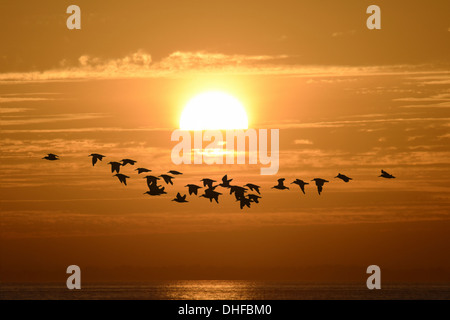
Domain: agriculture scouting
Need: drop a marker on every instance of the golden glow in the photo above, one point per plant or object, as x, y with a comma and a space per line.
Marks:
213, 110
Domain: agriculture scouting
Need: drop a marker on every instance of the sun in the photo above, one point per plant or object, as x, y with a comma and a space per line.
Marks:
213, 110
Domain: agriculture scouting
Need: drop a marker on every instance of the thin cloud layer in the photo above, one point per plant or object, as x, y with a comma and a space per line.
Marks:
141, 65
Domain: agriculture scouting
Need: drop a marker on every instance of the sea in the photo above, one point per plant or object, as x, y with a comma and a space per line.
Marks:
222, 290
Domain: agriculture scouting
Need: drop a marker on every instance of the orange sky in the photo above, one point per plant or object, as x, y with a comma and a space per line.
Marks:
346, 99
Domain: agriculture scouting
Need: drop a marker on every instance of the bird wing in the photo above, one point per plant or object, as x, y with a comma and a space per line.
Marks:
302, 186
319, 188
94, 160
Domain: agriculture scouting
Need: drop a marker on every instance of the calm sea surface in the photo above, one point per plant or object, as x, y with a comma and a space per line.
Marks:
224, 290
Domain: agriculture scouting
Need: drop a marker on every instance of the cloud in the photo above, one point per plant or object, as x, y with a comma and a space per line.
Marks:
338, 124
14, 110
20, 99
15, 120
301, 141
141, 65
84, 130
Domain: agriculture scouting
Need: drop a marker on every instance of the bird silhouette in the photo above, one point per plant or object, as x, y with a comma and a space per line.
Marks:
155, 190
122, 178
386, 175
151, 180
225, 182
115, 166
280, 185
174, 172
167, 178
140, 170
51, 157
343, 177
96, 157
128, 161
238, 191
243, 201
208, 182
254, 198
301, 184
253, 187
193, 189
180, 198
319, 184
211, 194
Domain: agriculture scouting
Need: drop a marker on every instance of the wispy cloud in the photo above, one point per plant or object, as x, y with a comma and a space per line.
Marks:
303, 141
337, 124
16, 120
20, 99
14, 110
141, 65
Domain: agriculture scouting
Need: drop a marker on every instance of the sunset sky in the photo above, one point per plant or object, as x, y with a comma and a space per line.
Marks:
346, 99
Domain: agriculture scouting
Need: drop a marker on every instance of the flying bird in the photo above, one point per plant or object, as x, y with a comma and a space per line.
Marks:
208, 182
244, 202
115, 166
254, 198
252, 187
51, 157
343, 177
122, 178
238, 191
167, 178
211, 194
155, 190
193, 189
301, 184
128, 161
151, 180
140, 170
386, 175
280, 185
175, 173
319, 184
225, 182
96, 157
180, 198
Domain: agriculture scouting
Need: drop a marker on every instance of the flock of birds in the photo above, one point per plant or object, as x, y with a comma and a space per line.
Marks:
240, 192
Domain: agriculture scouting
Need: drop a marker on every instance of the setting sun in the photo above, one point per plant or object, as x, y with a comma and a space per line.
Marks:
213, 110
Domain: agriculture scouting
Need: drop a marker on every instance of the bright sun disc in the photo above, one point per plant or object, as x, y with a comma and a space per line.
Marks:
213, 110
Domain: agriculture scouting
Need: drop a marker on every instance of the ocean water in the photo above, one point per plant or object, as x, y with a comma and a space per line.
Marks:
223, 290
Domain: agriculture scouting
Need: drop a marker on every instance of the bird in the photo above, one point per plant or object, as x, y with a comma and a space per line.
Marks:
174, 172
128, 161
252, 187
280, 185
140, 170
180, 198
167, 178
238, 191
155, 190
319, 184
51, 157
151, 180
122, 178
244, 202
301, 184
343, 177
115, 166
193, 189
254, 198
208, 182
95, 157
386, 175
211, 194
225, 182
